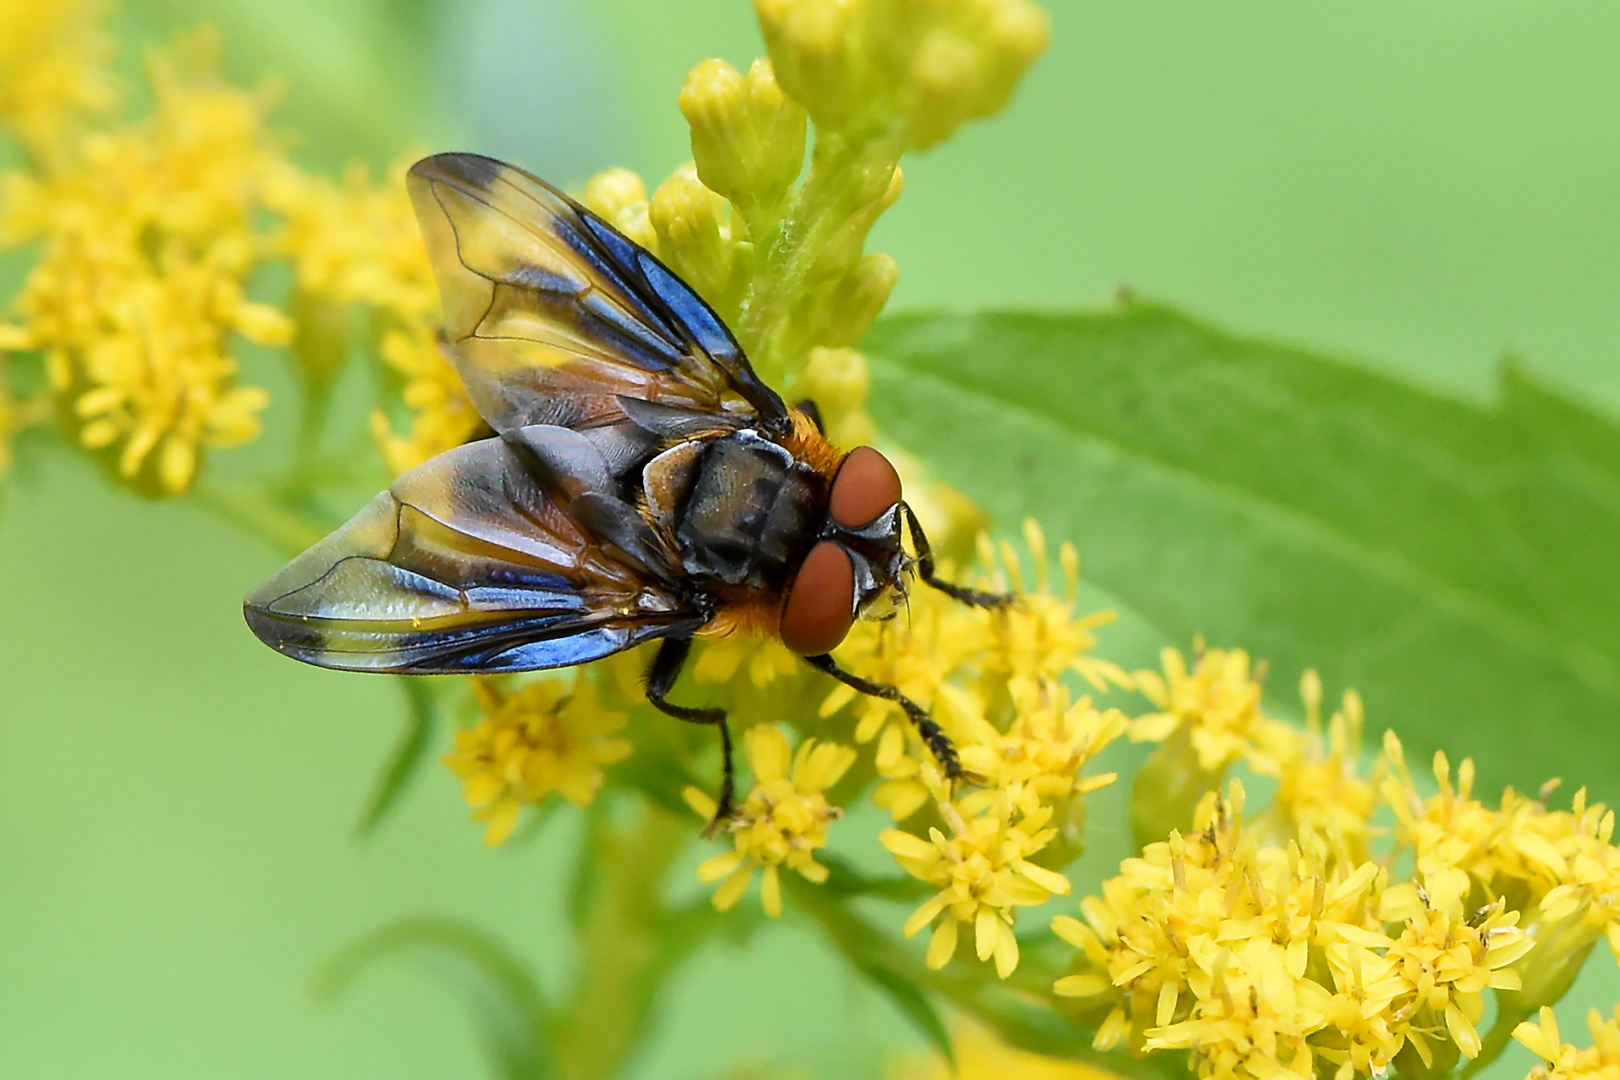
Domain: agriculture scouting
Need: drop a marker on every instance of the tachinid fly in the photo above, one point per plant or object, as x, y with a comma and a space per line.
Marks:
642, 483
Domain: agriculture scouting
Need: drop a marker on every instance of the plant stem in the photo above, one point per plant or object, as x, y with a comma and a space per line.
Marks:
627, 947
259, 514
794, 247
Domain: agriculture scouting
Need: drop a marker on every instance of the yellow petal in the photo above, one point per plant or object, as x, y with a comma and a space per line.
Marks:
734, 886
942, 946
770, 892
719, 866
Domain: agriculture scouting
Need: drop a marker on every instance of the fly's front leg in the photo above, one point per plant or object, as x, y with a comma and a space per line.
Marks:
939, 743
661, 675
925, 570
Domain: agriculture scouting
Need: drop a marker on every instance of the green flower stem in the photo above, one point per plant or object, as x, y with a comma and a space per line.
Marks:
629, 942
838, 169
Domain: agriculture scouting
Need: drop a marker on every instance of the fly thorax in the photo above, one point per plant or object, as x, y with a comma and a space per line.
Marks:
751, 514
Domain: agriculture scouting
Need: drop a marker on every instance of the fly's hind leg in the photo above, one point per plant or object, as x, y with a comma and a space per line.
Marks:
925, 570
939, 743
661, 675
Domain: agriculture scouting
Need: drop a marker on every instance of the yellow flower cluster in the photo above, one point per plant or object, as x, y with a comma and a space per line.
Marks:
148, 235
994, 680
1560, 867
1288, 946
783, 820
1207, 719
356, 244
545, 736
1600, 1061
52, 59
1269, 960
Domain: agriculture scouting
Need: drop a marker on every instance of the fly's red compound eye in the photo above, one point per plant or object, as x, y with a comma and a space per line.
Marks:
865, 487
821, 602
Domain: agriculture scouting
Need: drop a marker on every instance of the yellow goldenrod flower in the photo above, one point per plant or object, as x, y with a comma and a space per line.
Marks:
545, 736
1561, 868
991, 678
1446, 957
1321, 789
1044, 747
442, 416
1218, 704
983, 872
1208, 718
761, 660
1600, 1061
1038, 638
147, 236
354, 242
864, 67
782, 822
917, 654
1261, 959
52, 59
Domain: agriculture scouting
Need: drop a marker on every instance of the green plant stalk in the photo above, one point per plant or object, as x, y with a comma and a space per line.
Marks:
627, 940
792, 249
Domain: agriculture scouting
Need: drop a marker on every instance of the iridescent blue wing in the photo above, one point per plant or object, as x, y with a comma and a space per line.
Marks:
469, 563
554, 317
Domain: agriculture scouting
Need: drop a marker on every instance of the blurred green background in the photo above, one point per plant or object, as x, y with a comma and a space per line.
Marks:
1426, 185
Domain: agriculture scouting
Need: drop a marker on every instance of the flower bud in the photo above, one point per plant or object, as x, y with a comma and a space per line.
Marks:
850, 307
815, 49
747, 136
837, 381
619, 196
685, 217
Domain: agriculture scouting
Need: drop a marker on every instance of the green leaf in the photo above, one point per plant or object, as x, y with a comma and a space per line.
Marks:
411, 752
1452, 559
502, 995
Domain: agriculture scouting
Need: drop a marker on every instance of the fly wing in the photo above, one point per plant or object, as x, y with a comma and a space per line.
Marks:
553, 315
467, 563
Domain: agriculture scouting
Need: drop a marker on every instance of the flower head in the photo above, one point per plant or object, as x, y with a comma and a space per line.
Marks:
52, 60
148, 236
1217, 704
1600, 1061
783, 820
983, 872
545, 736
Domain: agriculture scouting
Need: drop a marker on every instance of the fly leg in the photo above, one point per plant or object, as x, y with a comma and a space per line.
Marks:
925, 570
661, 675
939, 743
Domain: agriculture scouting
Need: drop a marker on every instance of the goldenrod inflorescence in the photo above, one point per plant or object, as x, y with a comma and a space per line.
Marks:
1360, 924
